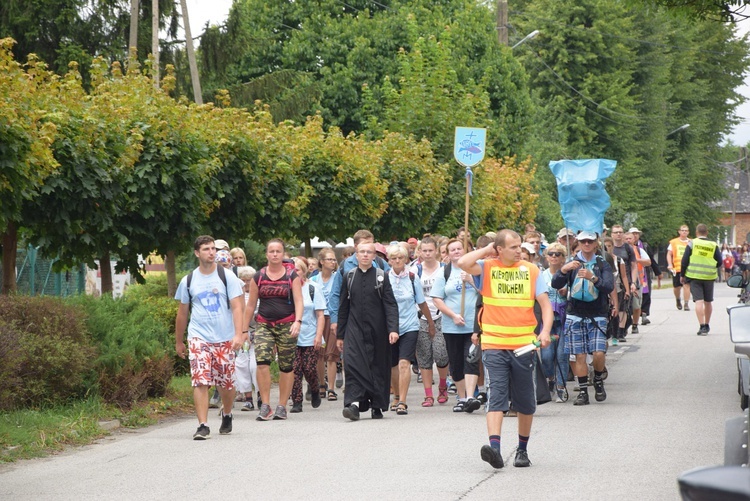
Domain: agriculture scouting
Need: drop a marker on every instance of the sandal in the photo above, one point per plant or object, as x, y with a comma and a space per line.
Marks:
428, 402
442, 395
322, 391
332, 396
459, 407
401, 409
394, 404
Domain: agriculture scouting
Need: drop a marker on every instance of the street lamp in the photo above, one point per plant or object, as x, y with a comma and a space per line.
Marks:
678, 129
525, 39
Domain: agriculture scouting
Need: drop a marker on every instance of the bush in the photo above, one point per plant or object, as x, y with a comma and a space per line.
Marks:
135, 360
46, 355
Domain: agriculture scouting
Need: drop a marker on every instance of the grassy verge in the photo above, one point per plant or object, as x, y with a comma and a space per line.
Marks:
30, 433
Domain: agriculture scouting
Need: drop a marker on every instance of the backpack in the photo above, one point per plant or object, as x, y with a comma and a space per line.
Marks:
582, 289
727, 262
222, 277
446, 270
379, 279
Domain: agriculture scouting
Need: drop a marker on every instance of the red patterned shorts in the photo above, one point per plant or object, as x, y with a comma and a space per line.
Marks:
211, 364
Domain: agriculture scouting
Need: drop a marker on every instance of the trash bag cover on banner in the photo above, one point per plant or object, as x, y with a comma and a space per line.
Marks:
581, 191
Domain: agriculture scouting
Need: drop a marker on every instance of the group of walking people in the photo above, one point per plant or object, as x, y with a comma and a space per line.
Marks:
436, 304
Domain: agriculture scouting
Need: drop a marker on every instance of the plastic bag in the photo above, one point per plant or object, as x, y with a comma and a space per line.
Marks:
581, 192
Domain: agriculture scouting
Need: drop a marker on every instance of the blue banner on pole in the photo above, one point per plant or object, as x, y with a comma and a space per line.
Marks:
581, 192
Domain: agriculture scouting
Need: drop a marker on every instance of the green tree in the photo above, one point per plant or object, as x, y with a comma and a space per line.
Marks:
26, 133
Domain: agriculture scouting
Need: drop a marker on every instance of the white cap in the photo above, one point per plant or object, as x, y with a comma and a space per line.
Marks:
530, 248
634, 230
587, 235
221, 244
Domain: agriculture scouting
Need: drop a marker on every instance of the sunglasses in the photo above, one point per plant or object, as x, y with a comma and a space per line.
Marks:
554, 254
586, 241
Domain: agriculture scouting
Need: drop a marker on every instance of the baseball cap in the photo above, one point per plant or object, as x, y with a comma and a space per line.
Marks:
528, 247
221, 244
586, 235
634, 230
412, 241
565, 232
380, 248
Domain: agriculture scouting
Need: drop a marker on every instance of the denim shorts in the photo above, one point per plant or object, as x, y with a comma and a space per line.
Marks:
508, 377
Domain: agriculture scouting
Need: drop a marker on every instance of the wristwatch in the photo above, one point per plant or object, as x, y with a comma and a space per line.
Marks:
300, 321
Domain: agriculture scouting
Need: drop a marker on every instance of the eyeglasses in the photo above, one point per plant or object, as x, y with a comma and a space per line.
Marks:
554, 254
586, 241
618, 231
330, 259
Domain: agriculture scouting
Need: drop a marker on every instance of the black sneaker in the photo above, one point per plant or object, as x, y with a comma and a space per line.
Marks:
679, 304
708, 328
472, 405
296, 408
582, 399
376, 413
202, 432
522, 459
702, 331
490, 455
622, 340
315, 402
351, 412
634, 330
226, 424
600, 394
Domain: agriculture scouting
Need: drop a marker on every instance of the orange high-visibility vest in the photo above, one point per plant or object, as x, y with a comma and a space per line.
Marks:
508, 294
678, 249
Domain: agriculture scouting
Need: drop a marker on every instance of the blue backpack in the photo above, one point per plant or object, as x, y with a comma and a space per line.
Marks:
582, 289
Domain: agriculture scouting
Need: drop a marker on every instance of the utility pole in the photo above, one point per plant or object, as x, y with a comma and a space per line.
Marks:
134, 11
194, 78
155, 40
502, 22
735, 189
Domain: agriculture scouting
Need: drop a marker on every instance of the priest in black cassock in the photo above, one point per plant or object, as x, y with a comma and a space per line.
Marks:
367, 323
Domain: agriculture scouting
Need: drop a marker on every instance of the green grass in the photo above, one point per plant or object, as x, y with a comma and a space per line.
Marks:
30, 433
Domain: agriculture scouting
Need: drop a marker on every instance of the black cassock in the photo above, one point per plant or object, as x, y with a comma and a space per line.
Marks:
366, 315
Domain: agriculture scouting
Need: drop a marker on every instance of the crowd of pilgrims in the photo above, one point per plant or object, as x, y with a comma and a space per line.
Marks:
437, 325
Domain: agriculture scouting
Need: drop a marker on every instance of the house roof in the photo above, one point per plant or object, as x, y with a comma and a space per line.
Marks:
735, 174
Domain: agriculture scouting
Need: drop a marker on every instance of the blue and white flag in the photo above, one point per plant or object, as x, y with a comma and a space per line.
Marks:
469, 145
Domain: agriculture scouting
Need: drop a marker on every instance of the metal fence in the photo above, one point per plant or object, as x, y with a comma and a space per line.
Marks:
35, 276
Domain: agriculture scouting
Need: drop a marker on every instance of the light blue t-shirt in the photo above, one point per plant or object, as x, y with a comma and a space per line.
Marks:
327, 287
210, 319
309, 319
408, 295
450, 293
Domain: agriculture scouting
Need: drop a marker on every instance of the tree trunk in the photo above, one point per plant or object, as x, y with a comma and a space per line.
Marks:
308, 248
155, 40
169, 265
134, 12
197, 95
10, 244
105, 270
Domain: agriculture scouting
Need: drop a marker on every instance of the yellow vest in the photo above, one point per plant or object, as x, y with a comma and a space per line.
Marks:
678, 249
702, 265
508, 294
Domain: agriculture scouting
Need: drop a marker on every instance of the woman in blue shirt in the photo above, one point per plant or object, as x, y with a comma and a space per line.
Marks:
331, 355
310, 339
409, 296
458, 326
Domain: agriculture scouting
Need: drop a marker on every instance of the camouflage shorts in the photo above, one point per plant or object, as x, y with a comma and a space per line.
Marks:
267, 337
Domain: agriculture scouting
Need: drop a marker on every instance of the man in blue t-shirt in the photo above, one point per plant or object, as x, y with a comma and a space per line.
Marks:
213, 299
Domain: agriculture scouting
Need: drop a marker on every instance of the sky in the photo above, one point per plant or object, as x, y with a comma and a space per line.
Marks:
216, 11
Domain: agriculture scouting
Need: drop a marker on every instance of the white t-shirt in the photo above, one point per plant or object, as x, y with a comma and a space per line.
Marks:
210, 319
428, 279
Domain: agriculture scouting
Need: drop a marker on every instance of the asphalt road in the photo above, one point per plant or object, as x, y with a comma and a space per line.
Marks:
669, 393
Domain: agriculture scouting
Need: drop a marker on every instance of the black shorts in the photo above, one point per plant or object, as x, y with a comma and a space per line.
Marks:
702, 290
676, 282
405, 347
458, 348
